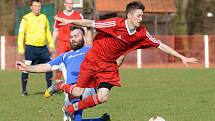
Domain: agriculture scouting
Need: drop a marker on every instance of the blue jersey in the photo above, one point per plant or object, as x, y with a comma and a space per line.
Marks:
70, 63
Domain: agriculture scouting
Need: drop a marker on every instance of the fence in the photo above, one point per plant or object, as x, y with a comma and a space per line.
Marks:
188, 45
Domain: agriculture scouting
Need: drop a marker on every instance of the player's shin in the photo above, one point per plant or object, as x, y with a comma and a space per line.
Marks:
90, 101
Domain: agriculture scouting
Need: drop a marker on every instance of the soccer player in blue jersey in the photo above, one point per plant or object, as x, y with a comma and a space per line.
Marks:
69, 63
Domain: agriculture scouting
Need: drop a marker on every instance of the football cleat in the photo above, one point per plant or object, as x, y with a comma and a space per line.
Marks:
24, 93
55, 87
47, 94
106, 117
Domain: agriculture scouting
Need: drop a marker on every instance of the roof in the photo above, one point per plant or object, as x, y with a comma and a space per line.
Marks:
152, 6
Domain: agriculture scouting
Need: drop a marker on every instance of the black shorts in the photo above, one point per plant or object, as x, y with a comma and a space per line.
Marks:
37, 55
105, 85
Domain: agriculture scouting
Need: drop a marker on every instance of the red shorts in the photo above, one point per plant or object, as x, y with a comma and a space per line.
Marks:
93, 71
63, 46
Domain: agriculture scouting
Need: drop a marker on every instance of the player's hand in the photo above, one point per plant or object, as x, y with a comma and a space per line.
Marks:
186, 60
52, 53
21, 66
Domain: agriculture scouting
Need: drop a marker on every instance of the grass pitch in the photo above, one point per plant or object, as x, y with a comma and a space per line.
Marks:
175, 94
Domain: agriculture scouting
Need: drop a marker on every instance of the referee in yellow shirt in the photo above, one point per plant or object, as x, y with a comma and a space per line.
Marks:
33, 38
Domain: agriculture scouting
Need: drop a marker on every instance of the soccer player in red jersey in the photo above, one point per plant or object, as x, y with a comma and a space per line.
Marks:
116, 37
61, 33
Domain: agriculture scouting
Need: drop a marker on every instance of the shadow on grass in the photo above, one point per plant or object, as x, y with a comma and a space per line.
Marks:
38, 93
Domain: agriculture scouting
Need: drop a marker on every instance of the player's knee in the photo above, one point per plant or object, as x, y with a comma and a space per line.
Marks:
103, 93
103, 98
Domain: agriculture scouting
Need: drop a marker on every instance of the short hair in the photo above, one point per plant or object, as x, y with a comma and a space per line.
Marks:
39, 1
134, 5
77, 27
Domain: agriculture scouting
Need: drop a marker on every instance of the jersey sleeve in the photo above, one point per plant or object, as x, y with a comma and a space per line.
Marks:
48, 34
21, 35
106, 26
56, 63
149, 41
56, 23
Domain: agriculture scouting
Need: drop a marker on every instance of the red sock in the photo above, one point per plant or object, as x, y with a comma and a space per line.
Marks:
88, 102
59, 75
67, 88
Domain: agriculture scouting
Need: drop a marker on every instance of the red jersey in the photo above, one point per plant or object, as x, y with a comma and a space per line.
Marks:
115, 39
64, 31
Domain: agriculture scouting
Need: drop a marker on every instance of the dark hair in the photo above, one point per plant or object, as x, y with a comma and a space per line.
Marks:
77, 27
39, 1
134, 5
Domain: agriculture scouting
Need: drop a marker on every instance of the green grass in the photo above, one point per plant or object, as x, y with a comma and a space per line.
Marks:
175, 94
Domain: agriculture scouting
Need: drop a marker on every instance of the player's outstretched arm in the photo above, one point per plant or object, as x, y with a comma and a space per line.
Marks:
33, 68
80, 22
171, 51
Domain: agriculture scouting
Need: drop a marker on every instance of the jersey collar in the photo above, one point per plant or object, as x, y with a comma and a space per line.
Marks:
129, 32
68, 14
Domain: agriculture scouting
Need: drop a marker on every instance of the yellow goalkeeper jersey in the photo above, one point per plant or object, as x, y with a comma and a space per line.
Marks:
35, 31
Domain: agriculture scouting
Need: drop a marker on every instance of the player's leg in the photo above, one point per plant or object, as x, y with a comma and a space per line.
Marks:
69, 99
48, 76
29, 56
88, 92
24, 78
90, 76
89, 102
93, 100
77, 115
66, 102
44, 58
72, 100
